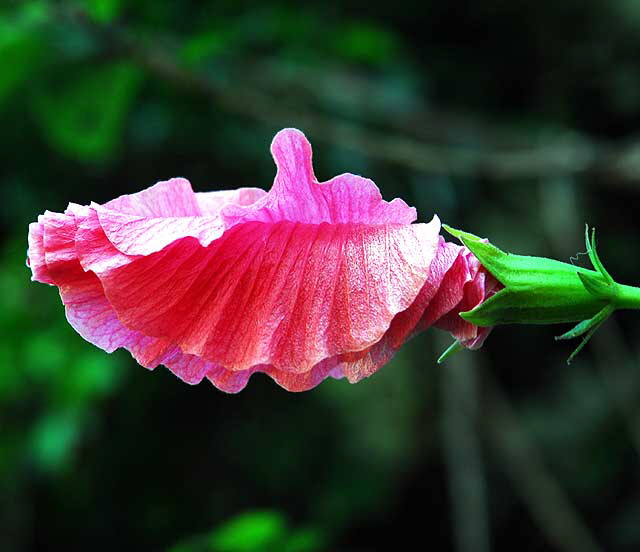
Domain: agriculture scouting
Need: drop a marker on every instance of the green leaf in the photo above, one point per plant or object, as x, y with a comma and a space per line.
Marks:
54, 438
257, 531
102, 11
85, 119
206, 45
366, 43
20, 48
91, 376
250, 532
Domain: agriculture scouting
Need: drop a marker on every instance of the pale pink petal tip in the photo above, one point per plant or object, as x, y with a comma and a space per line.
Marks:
35, 255
308, 281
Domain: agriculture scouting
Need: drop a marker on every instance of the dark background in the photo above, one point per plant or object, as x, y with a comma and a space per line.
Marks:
515, 120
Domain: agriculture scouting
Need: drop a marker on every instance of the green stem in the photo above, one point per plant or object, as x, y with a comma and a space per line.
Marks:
627, 297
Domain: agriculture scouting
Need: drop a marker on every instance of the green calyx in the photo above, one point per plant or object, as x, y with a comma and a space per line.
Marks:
544, 291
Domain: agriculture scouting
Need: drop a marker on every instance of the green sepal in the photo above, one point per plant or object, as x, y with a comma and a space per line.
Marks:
587, 327
593, 254
455, 347
597, 286
536, 290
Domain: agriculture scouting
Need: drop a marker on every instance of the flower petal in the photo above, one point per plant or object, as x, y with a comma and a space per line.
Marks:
297, 196
87, 309
357, 366
284, 294
167, 199
308, 281
143, 223
95, 252
35, 254
211, 203
476, 285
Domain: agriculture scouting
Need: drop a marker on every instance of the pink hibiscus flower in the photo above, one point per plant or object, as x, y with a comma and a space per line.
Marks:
307, 281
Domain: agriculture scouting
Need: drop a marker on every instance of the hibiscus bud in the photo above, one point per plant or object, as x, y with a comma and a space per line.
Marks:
545, 291
536, 290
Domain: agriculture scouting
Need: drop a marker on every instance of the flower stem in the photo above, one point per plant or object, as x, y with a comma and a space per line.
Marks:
627, 297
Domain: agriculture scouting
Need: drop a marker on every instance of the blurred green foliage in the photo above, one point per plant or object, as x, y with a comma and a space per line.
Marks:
103, 11
20, 47
51, 384
258, 531
441, 104
85, 120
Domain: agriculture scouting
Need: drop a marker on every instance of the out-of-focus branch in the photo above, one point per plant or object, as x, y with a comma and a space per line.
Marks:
465, 466
544, 497
618, 368
566, 154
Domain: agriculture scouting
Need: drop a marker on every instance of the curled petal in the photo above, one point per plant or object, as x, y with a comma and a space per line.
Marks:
146, 222
35, 255
285, 294
210, 203
297, 196
475, 285
87, 309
